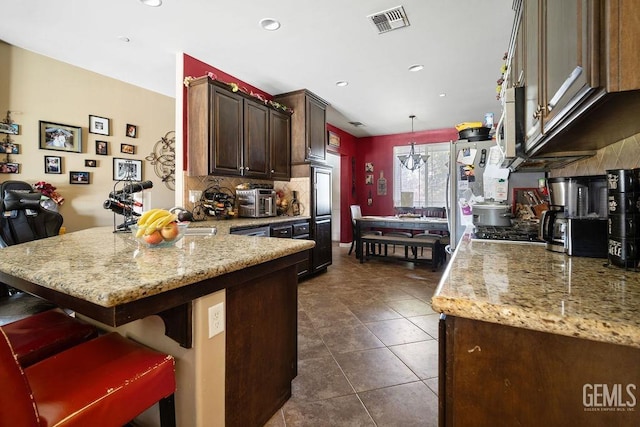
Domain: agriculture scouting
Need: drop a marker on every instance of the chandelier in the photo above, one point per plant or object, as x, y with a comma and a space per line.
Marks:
413, 160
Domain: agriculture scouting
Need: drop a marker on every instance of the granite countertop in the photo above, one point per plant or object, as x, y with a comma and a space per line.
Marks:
224, 226
107, 268
527, 286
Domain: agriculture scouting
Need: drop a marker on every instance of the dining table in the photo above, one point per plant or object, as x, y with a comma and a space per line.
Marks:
416, 223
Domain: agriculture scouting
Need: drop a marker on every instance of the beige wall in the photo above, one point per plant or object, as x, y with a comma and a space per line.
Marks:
34, 88
623, 154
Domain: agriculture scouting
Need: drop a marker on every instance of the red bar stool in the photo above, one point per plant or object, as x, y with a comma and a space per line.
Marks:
104, 382
42, 335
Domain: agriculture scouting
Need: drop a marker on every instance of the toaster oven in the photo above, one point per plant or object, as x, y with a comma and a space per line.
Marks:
256, 203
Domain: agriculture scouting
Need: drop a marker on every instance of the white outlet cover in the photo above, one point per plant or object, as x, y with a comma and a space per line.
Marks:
216, 319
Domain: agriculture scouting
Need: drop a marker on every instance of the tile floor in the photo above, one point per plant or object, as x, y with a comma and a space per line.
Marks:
367, 347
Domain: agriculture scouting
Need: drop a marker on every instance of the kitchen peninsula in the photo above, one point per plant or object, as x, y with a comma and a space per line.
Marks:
224, 379
533, 337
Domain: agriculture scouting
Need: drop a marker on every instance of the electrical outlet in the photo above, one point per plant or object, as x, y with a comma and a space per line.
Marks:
216, 319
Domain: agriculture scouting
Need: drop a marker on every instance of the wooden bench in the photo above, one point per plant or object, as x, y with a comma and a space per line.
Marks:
409, 243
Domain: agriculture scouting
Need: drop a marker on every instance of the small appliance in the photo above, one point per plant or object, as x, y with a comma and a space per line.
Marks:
576, 222
256, 203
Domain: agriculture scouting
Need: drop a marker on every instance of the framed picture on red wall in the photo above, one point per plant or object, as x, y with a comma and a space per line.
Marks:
334, 139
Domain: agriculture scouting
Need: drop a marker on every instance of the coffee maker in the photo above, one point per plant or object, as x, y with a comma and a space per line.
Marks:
576, 222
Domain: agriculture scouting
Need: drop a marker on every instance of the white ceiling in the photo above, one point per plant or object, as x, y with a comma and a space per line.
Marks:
460, 42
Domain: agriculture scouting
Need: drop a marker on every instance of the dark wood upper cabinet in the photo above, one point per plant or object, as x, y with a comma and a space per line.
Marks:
231, 134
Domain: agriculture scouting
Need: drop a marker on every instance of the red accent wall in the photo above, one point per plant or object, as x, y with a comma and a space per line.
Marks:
379, 151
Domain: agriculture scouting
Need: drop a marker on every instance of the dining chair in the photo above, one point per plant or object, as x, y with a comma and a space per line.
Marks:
356, 213
105, 382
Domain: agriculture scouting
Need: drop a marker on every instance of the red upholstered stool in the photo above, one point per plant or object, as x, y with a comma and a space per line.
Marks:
44, 334
104, 382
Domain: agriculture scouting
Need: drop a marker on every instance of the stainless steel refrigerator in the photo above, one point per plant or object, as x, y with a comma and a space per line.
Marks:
467, 163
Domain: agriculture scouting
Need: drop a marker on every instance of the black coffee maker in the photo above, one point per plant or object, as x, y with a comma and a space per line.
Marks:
576, 222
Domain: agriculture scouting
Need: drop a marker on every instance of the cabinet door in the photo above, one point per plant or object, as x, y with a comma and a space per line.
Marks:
533, 106
316, 130
280, 137
226, 154
322, 256
256, 140
566, 61
321, 191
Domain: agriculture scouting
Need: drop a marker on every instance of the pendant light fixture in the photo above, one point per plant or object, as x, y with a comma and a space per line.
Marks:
413, 160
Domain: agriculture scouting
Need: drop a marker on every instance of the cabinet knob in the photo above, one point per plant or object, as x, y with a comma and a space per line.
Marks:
272, 171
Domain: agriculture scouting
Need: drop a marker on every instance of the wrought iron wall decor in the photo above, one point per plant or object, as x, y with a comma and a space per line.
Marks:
163, 159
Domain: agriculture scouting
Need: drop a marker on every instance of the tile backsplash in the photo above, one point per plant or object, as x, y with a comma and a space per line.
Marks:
623, 154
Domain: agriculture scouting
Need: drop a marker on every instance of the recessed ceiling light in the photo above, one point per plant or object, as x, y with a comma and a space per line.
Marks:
152, 3
269, 24
416, 67
442, 95
342, 83
124, 39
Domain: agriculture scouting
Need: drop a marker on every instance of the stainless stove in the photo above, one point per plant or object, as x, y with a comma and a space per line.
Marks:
518, 232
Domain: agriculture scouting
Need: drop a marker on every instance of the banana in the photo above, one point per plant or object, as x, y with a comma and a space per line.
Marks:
154, 217
163, 218
167, 220
145, 216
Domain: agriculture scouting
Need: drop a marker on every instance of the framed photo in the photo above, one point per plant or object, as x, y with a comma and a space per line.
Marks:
334, 139
99, 125
76, 177
132, 131
52, 164
9, 167
127, 169
127, 149
368, 167
102, 148
8, 147
90, 163
368, 179
56, 136
10, 128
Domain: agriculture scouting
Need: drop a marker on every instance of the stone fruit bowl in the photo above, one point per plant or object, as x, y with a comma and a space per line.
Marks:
166, 236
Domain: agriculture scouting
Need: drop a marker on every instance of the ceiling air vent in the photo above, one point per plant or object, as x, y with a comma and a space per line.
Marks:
390, 19
356, 124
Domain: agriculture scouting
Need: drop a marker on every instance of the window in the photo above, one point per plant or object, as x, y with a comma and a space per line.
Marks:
427, 184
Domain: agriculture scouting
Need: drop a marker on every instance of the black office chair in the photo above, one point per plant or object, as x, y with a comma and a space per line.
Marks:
23, 219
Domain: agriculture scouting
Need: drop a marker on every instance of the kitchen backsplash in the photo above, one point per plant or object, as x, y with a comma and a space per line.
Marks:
623, 154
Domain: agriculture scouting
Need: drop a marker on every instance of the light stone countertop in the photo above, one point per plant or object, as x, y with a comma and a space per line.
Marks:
107, 268
224, 226
527, 286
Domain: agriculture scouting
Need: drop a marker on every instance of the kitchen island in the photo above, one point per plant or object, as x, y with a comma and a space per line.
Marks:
223, 379
533, 337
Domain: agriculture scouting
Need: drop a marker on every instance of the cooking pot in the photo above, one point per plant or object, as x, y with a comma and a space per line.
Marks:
491, 214
474, 134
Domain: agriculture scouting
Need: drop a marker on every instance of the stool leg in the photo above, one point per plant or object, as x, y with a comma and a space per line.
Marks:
167, 411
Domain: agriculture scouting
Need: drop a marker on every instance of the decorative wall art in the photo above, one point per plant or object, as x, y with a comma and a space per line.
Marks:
124, 169
334, 139
102, 148
8, 147
76, 177
132, 131
382, 185
9, 167
90, 163
52, 164
10, 128
368, 179
127, 149
99, 125
368, 167
56, 136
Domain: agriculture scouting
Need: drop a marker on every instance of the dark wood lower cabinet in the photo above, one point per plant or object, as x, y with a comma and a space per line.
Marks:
496, 375
261, 343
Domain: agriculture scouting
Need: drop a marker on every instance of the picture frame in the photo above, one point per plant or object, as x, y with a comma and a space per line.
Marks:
333, 139
8, 147
9, 167
124, 169
102, 148
90, 163
79, 177
10, 128
368, 167
99, 125
127, 149
132, 131
60, 137
53, 164
368, 179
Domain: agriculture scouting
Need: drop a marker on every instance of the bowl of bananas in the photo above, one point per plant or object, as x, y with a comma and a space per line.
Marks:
157, 228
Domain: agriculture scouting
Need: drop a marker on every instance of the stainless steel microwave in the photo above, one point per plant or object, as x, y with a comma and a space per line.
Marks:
256, 203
